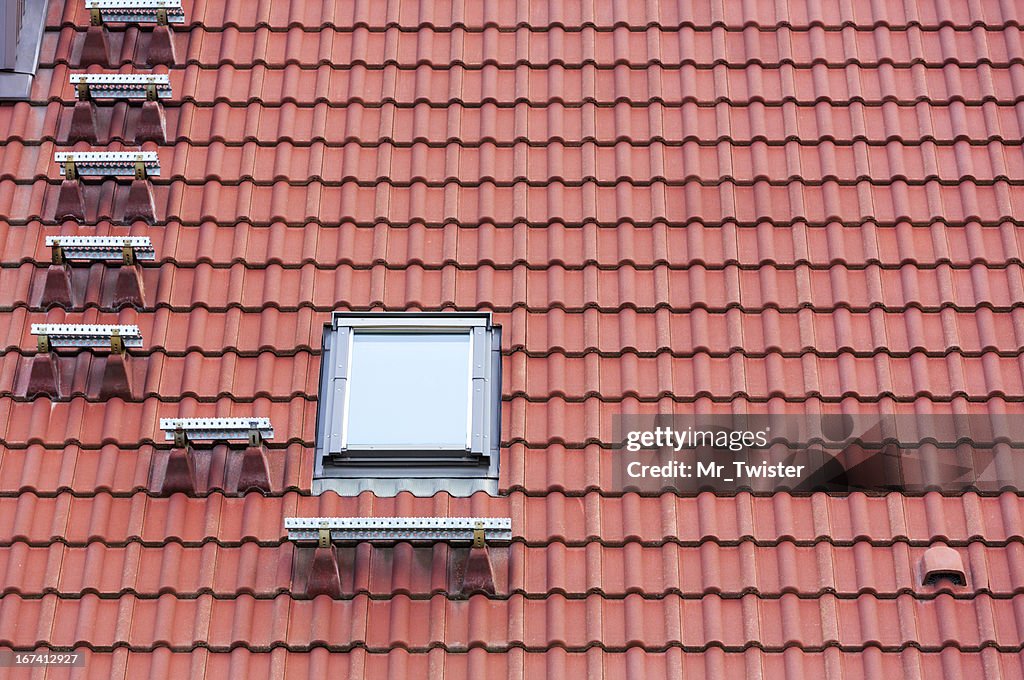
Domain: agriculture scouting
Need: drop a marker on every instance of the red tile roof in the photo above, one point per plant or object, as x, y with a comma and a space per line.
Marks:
670, 207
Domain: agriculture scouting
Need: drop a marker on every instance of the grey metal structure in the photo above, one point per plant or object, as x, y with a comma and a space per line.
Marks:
66, 335
121, 85
136, 11
138, 164
21, 37
328, 530
100, 248
252, 429
423, 468
12, 13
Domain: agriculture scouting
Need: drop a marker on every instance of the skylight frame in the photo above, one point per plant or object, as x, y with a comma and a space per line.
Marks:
391, 469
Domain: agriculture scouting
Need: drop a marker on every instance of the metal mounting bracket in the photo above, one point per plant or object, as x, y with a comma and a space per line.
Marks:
96, 336
324, 539
100, 248
252, 429
107, 163
162, 12
116, 341
478, 531
479, 538
150, 86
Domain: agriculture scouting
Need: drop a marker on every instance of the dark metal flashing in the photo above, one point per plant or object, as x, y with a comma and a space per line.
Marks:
16, 78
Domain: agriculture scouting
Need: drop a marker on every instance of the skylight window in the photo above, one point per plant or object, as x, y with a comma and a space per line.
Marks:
409, 391
409, 401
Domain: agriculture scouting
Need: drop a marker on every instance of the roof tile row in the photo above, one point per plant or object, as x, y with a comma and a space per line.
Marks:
672, 84
535, 421
633, 121
573, 45
603, 13
718, 333
792, 162
282, 379
220, 288
652, 571
575, 520
319, 203
783, 245
157, 375
125, 471
554, 468
458, 625
632, 664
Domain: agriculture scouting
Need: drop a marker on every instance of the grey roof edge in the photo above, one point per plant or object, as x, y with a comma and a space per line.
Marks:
17, 84
423, 487
477, 314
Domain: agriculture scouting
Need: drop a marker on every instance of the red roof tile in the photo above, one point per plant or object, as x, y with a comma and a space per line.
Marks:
669, 207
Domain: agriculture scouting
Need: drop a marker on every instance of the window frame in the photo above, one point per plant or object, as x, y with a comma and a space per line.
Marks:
473, 467
21, 34
11, 13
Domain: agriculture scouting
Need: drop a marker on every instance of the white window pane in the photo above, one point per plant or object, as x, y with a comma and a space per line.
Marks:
409, 390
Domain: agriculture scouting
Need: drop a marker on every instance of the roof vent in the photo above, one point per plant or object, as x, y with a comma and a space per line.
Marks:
117, 338
162, 12
100, 248
121, 86
327, 530
942, 562
137, 164
184, 430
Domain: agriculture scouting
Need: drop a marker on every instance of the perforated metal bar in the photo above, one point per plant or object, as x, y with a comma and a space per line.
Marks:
217, 429
93, 248
473, 530
87, 335
121, 85
137, 11
107, 163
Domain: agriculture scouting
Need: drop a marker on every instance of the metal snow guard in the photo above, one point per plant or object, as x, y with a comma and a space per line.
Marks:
216, 429
102, 247
121, 85
136, 11
108, 163
87, 335
355, 529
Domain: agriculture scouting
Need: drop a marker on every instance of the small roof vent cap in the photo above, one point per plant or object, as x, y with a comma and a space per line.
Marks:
942, 562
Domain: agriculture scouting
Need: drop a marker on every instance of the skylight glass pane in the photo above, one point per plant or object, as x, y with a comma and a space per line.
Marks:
409, 390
